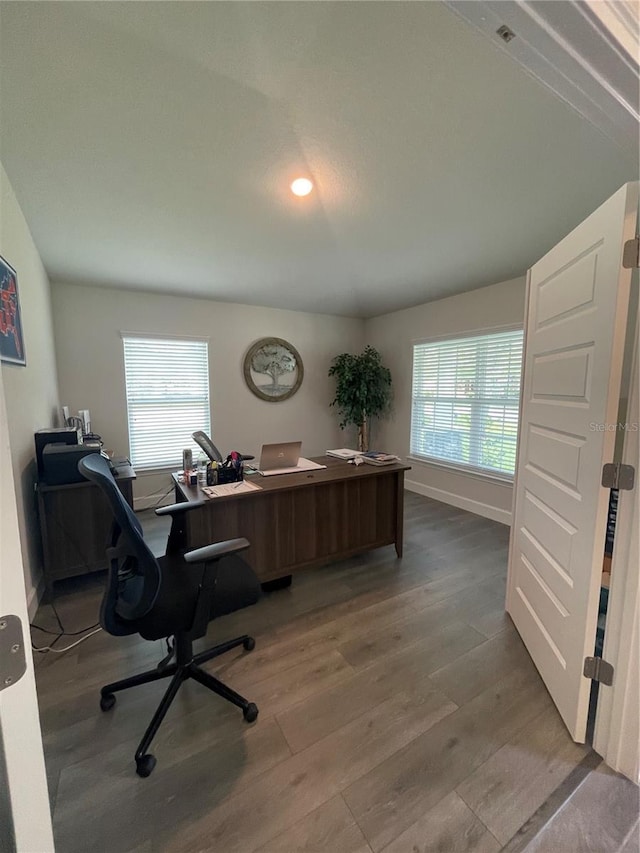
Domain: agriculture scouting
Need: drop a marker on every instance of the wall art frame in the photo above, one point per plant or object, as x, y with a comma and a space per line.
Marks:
281, 362
11, 338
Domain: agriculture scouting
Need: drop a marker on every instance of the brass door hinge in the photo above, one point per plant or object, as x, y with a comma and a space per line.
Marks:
598, 669
631, 254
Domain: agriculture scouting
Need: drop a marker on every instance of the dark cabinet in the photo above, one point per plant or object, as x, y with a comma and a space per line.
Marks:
75, 521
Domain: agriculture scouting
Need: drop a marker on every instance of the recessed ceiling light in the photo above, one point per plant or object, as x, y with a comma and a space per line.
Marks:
301, 186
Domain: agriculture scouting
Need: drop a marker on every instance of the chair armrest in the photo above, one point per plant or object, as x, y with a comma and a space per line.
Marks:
175, 509
216, 551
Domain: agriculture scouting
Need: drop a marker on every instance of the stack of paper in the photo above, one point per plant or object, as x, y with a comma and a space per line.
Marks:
343, 453
226, 489
375, 458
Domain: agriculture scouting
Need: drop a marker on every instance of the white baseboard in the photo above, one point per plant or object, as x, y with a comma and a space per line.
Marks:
34, 597
479, 508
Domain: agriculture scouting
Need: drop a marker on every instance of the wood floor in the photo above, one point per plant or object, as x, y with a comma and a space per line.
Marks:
399, 712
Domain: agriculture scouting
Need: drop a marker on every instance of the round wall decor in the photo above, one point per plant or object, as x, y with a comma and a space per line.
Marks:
273, 369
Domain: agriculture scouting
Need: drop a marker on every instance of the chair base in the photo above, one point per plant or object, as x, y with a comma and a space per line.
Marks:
187, 665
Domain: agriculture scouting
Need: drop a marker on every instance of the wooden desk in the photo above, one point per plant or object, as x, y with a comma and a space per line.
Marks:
75, 520
304, 519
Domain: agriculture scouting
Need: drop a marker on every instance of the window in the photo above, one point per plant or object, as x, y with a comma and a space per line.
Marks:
465, 401
167, 383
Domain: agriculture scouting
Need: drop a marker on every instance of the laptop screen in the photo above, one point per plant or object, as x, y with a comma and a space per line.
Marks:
283, 455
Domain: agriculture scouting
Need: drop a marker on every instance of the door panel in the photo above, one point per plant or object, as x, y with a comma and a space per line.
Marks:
576, 314
25, 819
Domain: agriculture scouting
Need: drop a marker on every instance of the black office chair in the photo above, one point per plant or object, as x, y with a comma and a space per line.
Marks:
171, 596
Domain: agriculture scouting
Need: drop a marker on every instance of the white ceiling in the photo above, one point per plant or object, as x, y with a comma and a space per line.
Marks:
151, 145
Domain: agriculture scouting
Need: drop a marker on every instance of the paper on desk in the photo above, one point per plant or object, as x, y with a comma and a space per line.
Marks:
227, 489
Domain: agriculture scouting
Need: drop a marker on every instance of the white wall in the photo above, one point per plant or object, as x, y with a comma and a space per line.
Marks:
88, 322
31, 392
394, 336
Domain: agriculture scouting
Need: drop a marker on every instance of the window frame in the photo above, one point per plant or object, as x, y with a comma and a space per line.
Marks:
159, 336
468, 469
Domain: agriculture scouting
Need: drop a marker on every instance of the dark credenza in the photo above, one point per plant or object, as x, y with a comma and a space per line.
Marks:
75, 521
305, 519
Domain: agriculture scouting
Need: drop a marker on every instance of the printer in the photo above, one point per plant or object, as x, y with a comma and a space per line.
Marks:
64, 436
60, 463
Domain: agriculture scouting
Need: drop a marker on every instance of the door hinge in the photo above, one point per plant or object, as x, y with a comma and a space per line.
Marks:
631, 254
618, 476
13, 662
598, 669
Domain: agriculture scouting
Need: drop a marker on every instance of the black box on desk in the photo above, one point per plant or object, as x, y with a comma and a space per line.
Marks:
60, 463
229, 475
64, 435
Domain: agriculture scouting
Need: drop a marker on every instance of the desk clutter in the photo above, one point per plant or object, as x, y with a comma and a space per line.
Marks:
209, 472
357, 457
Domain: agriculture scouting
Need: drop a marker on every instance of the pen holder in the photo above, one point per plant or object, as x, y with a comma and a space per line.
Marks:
230, 474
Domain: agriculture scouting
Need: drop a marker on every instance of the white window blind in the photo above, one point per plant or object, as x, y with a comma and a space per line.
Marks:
465, 401
167, 383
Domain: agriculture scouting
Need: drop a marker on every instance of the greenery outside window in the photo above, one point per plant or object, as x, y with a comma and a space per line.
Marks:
167, 383
465, 401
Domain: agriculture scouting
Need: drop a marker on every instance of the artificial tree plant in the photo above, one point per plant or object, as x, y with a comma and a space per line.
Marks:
363, 390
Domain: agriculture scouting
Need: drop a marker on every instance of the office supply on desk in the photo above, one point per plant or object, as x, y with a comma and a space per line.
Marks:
60, 463
303, 465
171, 596
43, 437
227, 489
273, 457
373, 457
343, 453
231, 470
284, 458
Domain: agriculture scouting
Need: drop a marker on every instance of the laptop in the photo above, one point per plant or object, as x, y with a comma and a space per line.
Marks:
276, 457
284, 458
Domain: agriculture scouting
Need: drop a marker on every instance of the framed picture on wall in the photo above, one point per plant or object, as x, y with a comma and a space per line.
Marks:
273, 369
11, 340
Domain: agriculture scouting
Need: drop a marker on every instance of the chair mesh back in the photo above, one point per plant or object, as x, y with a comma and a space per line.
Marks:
134, 572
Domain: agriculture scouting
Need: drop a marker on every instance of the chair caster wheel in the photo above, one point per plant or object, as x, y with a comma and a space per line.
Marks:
145, 765
250, 713
249, 644
107, 701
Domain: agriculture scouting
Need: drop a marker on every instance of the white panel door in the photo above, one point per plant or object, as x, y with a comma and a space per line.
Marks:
574, 339
25, 819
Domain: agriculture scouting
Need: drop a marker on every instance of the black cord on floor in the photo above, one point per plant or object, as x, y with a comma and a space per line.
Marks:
159, 501
57, 635
61, 632
46, 649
